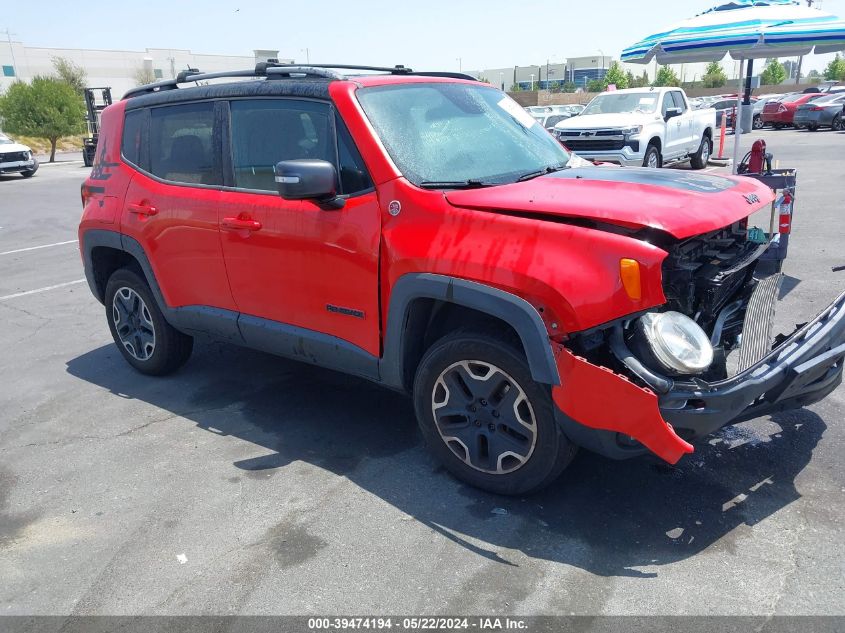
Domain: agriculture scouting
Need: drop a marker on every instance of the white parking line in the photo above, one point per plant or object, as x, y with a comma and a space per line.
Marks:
45, 289
35, 248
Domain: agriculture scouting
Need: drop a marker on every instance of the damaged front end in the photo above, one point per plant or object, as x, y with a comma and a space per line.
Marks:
707, 363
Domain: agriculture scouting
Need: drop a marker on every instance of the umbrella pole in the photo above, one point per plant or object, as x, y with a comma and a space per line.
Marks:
738, 117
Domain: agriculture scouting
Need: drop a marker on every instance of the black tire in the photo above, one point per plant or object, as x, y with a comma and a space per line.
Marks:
700, 158
836, 125
812, 127
758, 123
652, 157
29, 173
169, 350
777, 126
543, 450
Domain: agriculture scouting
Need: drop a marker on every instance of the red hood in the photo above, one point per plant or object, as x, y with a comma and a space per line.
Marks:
681, 203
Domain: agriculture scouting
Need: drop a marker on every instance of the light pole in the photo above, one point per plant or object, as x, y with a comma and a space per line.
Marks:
532, 81
460, 64
9, 35
502, 80
307, 55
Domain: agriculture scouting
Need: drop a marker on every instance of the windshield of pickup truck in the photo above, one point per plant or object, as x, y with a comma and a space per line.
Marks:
5, 140
459, 135
617, 103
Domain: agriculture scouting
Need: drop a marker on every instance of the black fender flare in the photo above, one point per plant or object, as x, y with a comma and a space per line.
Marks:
511, 309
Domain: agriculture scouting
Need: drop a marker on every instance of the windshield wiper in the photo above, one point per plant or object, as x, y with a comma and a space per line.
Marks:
454, 184
541, 172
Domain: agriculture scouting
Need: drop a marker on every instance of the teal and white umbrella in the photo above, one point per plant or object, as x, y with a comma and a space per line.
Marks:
744, 29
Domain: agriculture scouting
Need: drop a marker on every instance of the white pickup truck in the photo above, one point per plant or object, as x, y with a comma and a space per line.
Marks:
651, 127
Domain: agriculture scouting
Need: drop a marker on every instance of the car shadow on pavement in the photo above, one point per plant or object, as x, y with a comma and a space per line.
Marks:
607, 517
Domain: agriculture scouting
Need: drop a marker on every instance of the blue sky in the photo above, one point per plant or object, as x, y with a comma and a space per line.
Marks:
428, 34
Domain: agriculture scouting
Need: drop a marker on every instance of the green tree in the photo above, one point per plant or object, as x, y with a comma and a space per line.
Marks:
483, 79
615, 75
47, 108
835, 69
596, 85
774, 73
71, 73
568, 86
714, 76
515, 88
666, 77
632, 81
554, 86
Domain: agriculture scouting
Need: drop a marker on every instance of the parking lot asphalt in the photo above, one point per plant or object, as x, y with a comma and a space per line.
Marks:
249, 484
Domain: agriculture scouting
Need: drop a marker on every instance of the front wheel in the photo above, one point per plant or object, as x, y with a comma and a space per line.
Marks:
777, 126
652, 157
700, 158
484, 417
140, 331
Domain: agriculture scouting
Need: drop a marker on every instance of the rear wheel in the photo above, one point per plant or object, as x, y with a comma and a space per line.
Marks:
813, 127
652, 157
777, 126
836, 125
700, 158
146, 340
484, 417
758, 123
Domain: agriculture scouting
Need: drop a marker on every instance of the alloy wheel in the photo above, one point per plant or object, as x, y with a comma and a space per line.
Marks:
133, 323
705, 151
653, 160
484, 416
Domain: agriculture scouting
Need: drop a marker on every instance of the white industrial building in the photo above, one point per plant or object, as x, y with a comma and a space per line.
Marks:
118, 69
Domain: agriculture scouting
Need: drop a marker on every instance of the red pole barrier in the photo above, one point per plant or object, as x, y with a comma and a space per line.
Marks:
722, 136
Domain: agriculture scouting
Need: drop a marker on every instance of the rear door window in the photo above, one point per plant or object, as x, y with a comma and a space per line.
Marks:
183, 145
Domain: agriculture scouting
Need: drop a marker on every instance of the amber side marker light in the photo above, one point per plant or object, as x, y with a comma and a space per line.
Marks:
629, 271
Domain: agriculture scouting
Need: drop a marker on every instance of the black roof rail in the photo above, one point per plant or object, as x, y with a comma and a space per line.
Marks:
277, 70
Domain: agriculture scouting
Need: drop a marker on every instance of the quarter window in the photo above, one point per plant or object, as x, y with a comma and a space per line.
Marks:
267, 131
183, 144
131, 142
353, 174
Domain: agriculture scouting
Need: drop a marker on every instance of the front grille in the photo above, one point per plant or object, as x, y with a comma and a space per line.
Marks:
588, 145
12, 157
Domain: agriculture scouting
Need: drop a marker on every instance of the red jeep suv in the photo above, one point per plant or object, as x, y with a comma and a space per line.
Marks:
423, 231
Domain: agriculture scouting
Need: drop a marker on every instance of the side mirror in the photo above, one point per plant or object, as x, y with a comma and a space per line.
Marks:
308, 179
672, 112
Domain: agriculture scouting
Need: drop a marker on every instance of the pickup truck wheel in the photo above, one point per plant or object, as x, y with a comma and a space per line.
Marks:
484, 417
700, 158
146, 340
652, 157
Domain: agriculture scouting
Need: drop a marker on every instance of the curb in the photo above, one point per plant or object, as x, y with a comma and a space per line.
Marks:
720, 162
59, 162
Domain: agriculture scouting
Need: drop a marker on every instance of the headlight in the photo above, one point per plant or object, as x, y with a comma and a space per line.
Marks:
677, 342
634, 129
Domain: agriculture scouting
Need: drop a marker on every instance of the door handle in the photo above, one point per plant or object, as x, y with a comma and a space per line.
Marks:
142, 209
240, 224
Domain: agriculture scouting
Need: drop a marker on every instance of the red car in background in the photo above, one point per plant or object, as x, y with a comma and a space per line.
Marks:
781, 113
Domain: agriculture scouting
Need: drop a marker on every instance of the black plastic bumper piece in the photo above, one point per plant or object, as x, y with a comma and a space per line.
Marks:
802, 370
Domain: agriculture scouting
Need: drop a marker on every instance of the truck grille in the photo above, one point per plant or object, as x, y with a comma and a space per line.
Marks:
597, 145
592, 140
12, 157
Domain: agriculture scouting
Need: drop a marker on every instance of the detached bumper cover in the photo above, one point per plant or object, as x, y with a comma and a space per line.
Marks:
802, 370
18, 166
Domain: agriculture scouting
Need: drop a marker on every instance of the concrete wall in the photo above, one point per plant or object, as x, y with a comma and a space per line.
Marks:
544, 97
